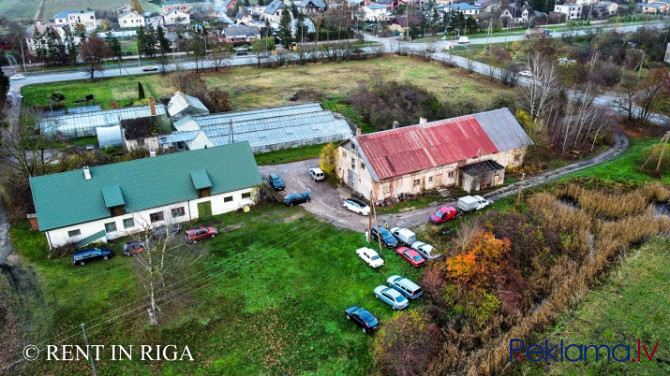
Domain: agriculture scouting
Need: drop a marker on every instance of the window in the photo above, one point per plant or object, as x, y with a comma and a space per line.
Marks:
417, 182
353, 163
128, 223
451, 174
155, 217
246, 195
363, 165
228, 199
73, 233
178, 212
110, 227
140, 142
430, 179
387, 189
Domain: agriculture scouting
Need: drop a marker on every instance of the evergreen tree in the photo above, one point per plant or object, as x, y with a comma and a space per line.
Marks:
140, 90
301, 30
163, 42
141, 40
284, 32
115, 47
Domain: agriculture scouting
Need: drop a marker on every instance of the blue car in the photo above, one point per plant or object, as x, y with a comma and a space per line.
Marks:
296, 198
275, 182
91, 254
388, 239
364, 319
391, 297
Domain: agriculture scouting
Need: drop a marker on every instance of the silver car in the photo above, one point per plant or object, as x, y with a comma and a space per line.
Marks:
391, 297
357, 206
427, 251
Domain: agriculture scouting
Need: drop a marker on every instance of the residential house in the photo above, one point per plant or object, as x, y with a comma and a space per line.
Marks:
571, 11
391, 5
33, 36
185, 8
153, 21
470, 152
143, 132
311, 6
176, 17
272, 12
226, 4
101, 203
356, 4
487, 5
131, 19
181, 105
376, 12
74, 17
465, 8
518, 15
606, 8
239, 35
446, 2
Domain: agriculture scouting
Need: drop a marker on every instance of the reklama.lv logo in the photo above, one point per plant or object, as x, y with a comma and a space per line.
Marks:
576, 352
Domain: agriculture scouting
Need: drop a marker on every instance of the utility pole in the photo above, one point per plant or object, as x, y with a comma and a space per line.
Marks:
88, 350
518, 197
379, 237
372, 203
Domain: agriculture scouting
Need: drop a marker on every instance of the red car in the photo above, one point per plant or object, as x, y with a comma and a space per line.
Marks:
199, 233
444, 214
412, 256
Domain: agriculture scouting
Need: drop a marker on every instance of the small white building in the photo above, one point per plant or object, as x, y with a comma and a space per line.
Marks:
376, 12
107, 202
176, 17
571, 11
74, 17
131, 19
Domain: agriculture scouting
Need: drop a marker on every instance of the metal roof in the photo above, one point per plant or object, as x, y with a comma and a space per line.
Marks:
84, 124
241, 31
419, 147
181, 104
482, 167
274, 6
109, 136
67, 198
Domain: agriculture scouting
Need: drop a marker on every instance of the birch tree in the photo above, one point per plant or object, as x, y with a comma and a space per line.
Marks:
540, 95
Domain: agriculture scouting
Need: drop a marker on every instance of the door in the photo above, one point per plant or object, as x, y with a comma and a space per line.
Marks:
353, 180
204, 209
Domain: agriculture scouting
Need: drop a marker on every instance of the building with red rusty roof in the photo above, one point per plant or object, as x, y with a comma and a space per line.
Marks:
469, 151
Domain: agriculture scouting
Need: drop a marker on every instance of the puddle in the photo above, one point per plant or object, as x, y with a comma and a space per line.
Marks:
661, 208
568, 202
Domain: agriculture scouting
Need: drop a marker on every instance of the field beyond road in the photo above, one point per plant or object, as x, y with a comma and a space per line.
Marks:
251, 87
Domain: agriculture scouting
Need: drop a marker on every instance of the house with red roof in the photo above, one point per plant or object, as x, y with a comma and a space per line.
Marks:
471, 152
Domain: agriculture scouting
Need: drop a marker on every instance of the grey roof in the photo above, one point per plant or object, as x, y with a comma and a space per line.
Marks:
317, 3
502, 129
181, 104
109, 136
84, 124
481, 168
179, 137
274, 6
275, 128
186, 124
240, 31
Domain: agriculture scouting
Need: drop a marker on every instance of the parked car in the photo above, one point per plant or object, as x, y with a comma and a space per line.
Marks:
162, 231
357, 206
316, 174
525, 73
426, 251
149, 68
391, 297
387, 238
370, 257
364, 319
91, 254
133, 247
296, 198
471, 203
199, 233
275, 182
405, 286
404, 235
444, 214
412, 256
463, 40
17, 77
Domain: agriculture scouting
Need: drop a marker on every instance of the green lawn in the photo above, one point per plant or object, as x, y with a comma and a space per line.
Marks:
631, 305
268, 298
289, 155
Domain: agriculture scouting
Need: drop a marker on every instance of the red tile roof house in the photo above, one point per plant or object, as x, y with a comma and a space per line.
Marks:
470, 151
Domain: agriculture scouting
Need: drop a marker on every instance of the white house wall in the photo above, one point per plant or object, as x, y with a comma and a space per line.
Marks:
59, 237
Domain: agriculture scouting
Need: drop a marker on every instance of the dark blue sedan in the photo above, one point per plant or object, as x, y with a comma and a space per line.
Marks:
364, 319
275, 182
296, 198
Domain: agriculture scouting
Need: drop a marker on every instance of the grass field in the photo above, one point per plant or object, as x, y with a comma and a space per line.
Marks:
52, 7
631, 305
272, 301
251, 88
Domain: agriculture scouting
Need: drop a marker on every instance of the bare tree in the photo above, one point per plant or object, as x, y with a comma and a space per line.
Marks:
656, 83
629, 85
220, 54
539, 96
25, 148
93, 52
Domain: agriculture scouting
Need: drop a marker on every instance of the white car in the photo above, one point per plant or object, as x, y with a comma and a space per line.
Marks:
357, 206
427, 251
17, 77
316, 174
370, 257
525, 73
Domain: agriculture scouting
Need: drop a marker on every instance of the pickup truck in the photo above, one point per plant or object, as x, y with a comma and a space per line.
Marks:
472, 203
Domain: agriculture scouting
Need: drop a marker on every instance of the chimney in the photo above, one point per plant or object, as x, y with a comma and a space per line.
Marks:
395, 124
358, 131
152, 104
423, 120
87, 173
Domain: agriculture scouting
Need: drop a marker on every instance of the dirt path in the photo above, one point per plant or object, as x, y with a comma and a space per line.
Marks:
327, 202
5, 239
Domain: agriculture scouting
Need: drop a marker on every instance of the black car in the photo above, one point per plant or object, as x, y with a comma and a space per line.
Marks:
162, 230
133, 247
364, 319
275, 182
91, 254
388, 239
296, 198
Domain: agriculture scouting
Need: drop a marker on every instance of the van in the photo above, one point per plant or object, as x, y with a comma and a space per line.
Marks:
405, 286
316, 174
406, 236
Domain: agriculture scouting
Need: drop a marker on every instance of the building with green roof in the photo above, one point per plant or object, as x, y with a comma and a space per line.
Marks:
110, 201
